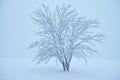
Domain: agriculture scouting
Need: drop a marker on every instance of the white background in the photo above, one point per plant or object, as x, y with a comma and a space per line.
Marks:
17, 32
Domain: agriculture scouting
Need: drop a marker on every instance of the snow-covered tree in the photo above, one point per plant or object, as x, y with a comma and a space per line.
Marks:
64, 34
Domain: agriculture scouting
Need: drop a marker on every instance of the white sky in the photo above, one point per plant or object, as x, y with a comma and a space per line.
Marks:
17, 29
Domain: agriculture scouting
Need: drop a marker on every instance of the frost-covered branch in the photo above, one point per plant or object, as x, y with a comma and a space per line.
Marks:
64, 34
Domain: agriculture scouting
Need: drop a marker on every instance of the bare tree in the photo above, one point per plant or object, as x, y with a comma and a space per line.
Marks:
64, 34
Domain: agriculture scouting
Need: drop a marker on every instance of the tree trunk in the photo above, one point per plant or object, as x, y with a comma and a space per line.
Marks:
66, 63
63, 64
66, 66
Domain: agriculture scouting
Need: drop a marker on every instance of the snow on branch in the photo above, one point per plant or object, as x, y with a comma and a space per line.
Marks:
64, 34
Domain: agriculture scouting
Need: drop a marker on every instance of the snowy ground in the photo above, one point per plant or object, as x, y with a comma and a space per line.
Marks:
24, 69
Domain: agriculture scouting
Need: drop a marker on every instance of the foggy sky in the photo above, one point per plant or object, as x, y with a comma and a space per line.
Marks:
17, 31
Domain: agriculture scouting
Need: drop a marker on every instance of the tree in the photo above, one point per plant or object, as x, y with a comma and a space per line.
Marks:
64, 34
